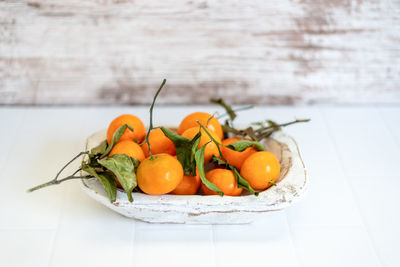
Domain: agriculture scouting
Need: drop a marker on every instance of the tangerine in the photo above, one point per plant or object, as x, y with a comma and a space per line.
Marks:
188, 186
159, 144
138, 133
261, 170
225, 180
233, 157
211, 148
204, 118
159, 174
129, 148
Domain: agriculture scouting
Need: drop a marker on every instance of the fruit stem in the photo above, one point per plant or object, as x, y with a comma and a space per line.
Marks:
215, 141
234, 110
65, 166
151, 115
281, 125
54, 182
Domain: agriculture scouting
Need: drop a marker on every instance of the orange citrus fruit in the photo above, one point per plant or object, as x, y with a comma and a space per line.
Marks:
137, 135
211, 148
261, 170
225, 180
129, 148
188, 186
233, 157
159, 174
159, 144
191, 121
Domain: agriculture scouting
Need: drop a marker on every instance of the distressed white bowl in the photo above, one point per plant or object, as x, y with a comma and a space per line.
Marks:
200, 209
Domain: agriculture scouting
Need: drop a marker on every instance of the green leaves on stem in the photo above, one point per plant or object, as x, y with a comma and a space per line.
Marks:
263, 129
190, 156
231, 113
106, 179
241, 145
241, 182
185, 150
100, 149
120, 166
199, 155
116, 136
223, 161
123, 168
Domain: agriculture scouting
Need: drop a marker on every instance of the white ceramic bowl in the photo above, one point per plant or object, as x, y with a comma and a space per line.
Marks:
199, 209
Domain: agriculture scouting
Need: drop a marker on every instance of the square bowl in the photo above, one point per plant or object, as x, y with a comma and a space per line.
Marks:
201, 209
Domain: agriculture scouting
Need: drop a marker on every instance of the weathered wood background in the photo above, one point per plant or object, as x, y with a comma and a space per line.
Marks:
280, 51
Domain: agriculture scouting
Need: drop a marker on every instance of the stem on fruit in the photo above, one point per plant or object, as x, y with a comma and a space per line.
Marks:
215, 141
151, 115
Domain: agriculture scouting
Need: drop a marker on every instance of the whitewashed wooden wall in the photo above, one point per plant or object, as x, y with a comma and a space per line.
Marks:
278, 51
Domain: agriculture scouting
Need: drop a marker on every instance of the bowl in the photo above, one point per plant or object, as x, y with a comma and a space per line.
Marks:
201, 209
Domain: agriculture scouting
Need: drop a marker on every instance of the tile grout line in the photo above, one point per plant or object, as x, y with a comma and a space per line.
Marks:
388, 128
214, 245
56, 232
350, 185
133, 242
292, 240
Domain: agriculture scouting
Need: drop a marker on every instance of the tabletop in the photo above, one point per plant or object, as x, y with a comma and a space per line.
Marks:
348, 217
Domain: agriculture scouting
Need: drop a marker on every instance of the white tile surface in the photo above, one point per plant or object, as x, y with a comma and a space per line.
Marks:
334, 246
91, 235
391, 117
173, 245
363, 142
11, 119
266, 241
379, 202
23, 248
349, 216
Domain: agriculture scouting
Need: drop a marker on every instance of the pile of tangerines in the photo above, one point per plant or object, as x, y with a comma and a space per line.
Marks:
160, 170
200, 153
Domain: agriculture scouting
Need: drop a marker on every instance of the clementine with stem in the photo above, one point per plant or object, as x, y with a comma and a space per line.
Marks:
233, 157
211, 148
261, 170
129, 148
159, 144
225, 180
138, 133
206, 119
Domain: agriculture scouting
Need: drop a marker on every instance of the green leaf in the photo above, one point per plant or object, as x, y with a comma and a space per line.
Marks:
217, 160
116, 136
242, 182
241, 145
106, 179
123, 167
228, 109
199, 156
100, 149
185, 150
